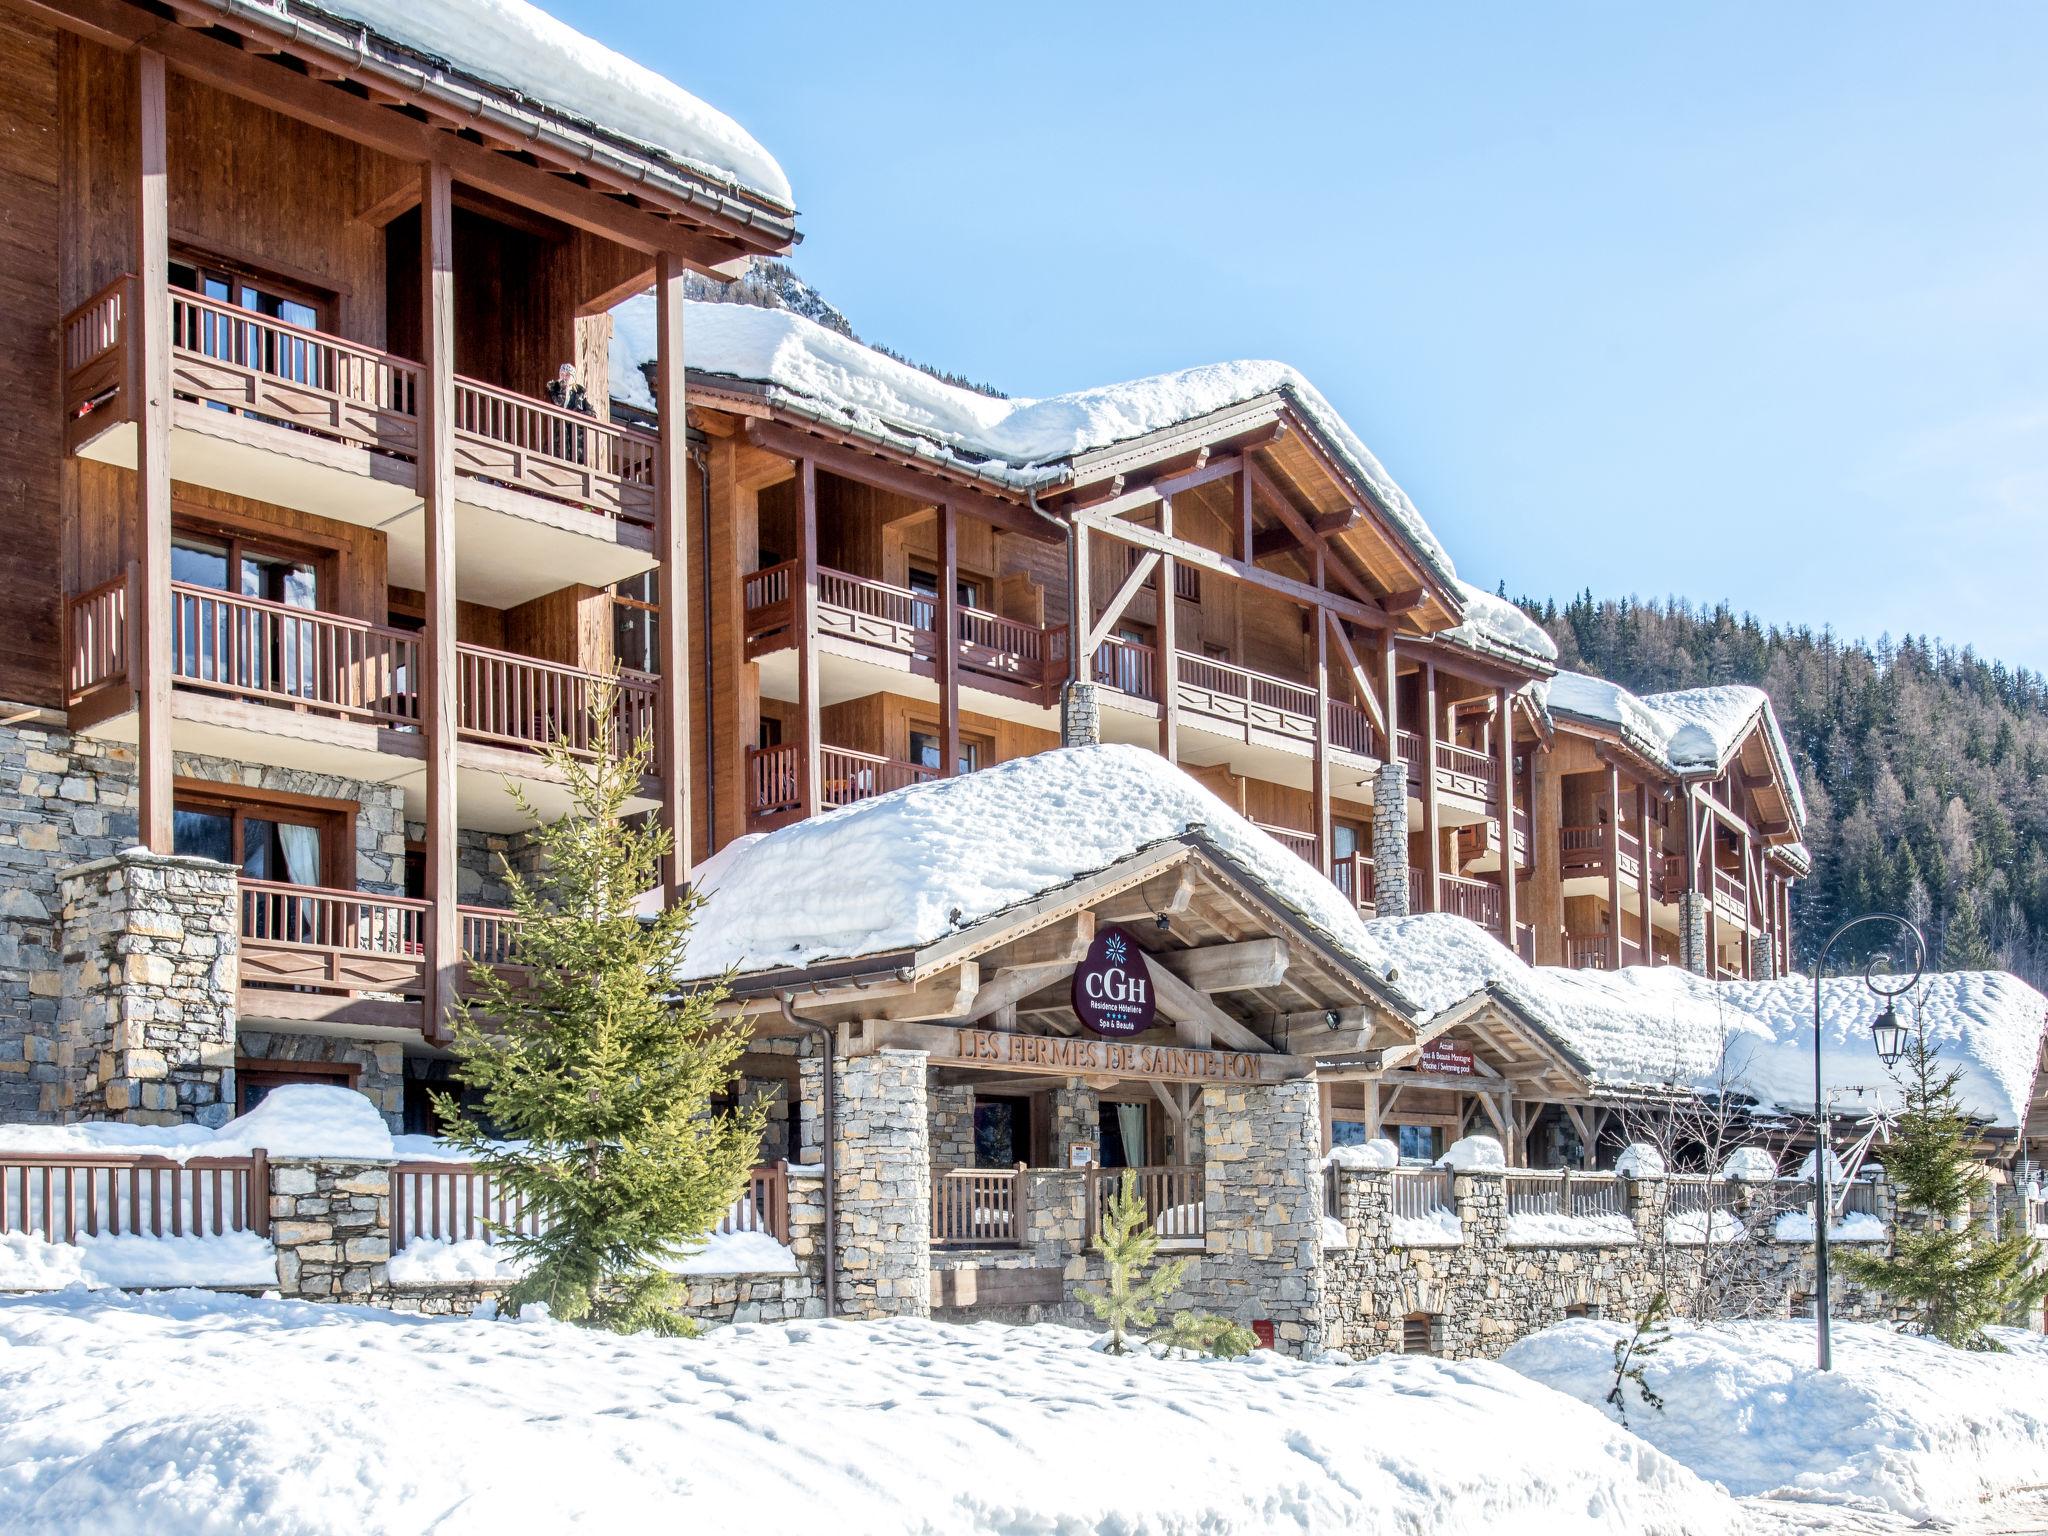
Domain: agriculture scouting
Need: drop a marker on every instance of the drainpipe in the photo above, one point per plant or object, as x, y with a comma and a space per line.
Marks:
826, 1036
702, 460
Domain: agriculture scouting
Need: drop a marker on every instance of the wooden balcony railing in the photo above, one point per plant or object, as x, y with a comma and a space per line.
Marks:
774, 780
1128, 667
1730, 889
1256, 689
518, 701
286, 375
1410, 746
1173, 1196
65, 1196
1477, 901
97, 625
1565, 1194
1353, 875
1351, 729
854, 776
1418, 1193
1302, 844
488, 935
315, 939
978, 1208
1585, 952
459, 1202
1466, 770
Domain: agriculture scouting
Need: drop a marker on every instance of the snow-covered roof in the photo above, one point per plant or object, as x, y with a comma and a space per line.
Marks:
1020, 443
522, 49
1688, 731
1495, 626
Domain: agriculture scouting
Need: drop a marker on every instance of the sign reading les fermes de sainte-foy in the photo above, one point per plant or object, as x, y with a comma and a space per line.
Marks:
1113, 992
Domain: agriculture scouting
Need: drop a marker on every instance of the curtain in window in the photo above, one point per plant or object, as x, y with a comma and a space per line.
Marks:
1130, 1127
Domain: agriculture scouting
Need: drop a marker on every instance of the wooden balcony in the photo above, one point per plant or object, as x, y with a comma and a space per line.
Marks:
1302, 845
308, 951
1252, 706
291, 380
324, 665
1353, 876
775, 781
1583, 853
1465, 772
1731, 897
902, 623
1477, 901
1589, 952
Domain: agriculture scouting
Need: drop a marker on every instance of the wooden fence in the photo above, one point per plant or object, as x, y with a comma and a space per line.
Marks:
978, 1207
1416, 1193
1173, 1197
1565, 1193
64, 1196
458, 1202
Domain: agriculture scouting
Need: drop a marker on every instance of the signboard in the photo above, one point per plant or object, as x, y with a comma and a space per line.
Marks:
1446, 1060
1083, 1058
1113, 987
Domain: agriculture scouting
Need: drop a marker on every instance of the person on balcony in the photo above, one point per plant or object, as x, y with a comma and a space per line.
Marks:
566, 392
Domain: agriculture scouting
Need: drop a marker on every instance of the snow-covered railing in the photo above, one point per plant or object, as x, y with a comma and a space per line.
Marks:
1565, 1193
1416, 1192
1173, 1198
1687, 1195
66, 1196
978, 1207
458, 1202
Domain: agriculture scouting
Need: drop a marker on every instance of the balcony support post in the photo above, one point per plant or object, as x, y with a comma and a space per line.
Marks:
1432, 827
1648, 860
672, 588
149, 354
1319, 762
1508, 931
946, 647
1166, 672
440, 717
1613, 867
811, 782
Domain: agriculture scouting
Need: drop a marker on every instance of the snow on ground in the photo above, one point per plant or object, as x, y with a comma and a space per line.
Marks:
439, 1261
27, 1263
522, 48
179, 1412
1853, 1227
1913, 1426
297, 1120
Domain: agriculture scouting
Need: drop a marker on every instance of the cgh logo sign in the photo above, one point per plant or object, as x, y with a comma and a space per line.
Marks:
1112, 991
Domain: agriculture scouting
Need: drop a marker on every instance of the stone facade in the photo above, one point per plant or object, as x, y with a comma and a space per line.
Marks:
64, 801
1763, 958
951, 1125
1080, 715
330, 1222
147, 1017
1390, 839
1076, 1117
883, 1183
481, 859
1692, 933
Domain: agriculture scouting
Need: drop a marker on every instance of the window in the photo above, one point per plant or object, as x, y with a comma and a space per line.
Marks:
1002, 1132
1347, 1133
287, 844
1420, 1143
1418, 1333
1122, 1135
280, 657
966, 589
636, 626
1127, 667
926, 753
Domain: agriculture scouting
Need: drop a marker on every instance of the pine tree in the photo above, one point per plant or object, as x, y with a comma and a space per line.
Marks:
1126, 1245
1954, 1276
1963, 945
598, 1078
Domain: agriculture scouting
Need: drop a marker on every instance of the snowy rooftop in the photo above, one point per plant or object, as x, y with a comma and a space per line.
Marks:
1498, 627
1687, 731
1024, 444
521, 49
940, 857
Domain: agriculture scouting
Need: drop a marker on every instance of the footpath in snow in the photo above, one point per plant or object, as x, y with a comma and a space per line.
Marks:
182, 1412
1901, 1425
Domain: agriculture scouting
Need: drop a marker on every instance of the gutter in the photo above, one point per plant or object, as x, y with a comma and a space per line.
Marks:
829, 1038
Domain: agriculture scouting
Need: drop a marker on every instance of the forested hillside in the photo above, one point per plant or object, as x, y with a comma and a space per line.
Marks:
1923, 765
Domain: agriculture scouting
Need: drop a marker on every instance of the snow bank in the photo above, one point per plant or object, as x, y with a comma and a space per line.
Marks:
1541, 1229
1334, 1235
1640, 1160
523, 49
1470, 1153
1853, 1227
1435, 1229
438, 1261
27, 1263
1379, 1153
1750, 1165
1019, 442
1495, 625
297, 1120
1698, 1229
311, 1418
1925, 1430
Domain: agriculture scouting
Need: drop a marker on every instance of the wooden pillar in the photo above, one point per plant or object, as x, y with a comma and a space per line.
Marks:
440, 719
1749, 897
1432, 835
149, 357
1613, 868
1326, 1101
1709, 862
1166, 672
1546, 858
1372, 1109
946, 651
812, 771
672, 586
1080, 604
1507, 821
1244, 517
1319, 759
1645, 860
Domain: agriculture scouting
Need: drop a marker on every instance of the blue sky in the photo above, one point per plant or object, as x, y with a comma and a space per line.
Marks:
1744, 302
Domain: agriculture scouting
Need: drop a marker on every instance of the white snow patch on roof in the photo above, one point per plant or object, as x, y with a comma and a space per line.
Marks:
525, 50
1495, 625
1018, 442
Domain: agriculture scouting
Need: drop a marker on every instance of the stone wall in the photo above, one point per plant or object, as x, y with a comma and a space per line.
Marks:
1390, 839
1692, 933
481, 859
1484, 1292
1076, 1117
147, 1015
64, 801
951, 1125
330, 1222
883, 1178
1080, 715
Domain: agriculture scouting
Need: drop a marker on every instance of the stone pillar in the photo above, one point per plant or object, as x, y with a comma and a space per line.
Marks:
951, 1125
1649, 1199
1692, 930
150, 971
330, 1221
810, 1091
1763, 962
1390, 839
883, 1186
1263, 1199
1080, 716
1076, 1116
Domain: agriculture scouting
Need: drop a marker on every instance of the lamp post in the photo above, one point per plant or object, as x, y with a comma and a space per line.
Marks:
1888, 1037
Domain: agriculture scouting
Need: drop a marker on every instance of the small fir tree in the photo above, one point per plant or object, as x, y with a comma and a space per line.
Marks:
1632, 1353
600, 1080
1954, 1276
1127, 1245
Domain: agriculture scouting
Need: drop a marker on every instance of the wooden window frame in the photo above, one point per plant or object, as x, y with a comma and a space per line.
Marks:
346, 1074
317, 294
980, 745
335, 820
249, 534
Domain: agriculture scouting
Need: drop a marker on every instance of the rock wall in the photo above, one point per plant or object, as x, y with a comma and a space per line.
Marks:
951, 1125
1390, 839
883, 1181
330, 1222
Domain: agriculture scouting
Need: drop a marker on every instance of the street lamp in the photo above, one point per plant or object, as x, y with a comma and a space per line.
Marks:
1888, 1036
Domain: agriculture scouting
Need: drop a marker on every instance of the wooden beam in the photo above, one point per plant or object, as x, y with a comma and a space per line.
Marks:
1245, 966
1061, 943
150, 359
1080, 593
439, 707
946, 643
1366, 613
1114, 610
1613, 867
1003, 990
925, 486
1184, 1005
1247, 540
807, 685
1319, 751
1651, 858
1432, 830
672, 586
1167, 672
1299, 524
1507, 825
1361, 680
